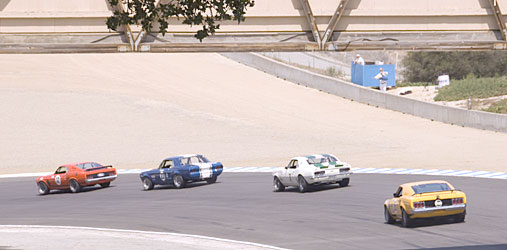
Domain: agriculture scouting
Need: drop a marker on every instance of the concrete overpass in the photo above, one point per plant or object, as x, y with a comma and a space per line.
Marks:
52, 26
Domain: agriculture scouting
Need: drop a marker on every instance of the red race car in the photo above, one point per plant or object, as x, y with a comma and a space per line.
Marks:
76, 176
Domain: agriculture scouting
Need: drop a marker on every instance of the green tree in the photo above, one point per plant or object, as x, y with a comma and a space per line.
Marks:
427, 66
204, 13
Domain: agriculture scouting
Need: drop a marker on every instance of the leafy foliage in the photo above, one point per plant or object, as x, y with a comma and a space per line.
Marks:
498, 107
473, 87
427, 66
193, 12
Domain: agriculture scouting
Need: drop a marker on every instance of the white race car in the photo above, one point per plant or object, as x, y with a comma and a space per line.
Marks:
312, 170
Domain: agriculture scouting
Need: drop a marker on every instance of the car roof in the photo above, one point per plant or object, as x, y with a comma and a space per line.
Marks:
319, 156
312, 156
74, 164
181, 156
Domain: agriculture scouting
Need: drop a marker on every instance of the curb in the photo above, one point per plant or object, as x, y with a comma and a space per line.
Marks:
456, 173
143, 232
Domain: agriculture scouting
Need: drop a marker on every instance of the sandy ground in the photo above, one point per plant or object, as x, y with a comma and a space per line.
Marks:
132, 110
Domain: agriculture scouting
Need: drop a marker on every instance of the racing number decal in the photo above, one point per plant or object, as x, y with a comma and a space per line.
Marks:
58, 180
162, 175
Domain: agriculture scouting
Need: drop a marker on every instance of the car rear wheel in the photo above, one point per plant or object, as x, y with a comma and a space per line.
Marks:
302, 184
211, 180
105, 184
178, 181
387, 216
147, 184
277, 184
43, 188
74, 186
344, 182
460, 217
405, 219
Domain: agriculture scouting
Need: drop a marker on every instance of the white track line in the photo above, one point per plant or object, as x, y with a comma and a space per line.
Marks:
146, 232
439, 172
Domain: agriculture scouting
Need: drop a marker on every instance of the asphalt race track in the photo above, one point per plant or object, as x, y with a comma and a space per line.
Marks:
242, 206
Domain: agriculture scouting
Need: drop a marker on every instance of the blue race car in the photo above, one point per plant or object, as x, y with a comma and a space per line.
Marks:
178, 170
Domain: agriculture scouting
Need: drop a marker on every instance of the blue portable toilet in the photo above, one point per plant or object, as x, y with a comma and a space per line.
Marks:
363, 74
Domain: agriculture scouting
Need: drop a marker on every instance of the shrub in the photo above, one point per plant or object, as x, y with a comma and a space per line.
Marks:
427, 66
473, 87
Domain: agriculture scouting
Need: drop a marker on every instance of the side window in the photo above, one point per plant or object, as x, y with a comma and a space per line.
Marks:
398, 192
61, 170
185, 161
290, 164
194, 160
293, 164
168, 164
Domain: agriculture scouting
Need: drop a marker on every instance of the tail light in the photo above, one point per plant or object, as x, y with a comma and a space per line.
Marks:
419, 204
319, 173
457, 201
344, 169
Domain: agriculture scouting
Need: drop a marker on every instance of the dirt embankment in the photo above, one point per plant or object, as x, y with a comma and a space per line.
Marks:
132, 110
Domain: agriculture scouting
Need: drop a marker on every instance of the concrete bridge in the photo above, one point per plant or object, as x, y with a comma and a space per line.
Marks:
59, 26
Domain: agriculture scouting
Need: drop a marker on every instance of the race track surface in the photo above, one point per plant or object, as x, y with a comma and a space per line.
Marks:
243, 207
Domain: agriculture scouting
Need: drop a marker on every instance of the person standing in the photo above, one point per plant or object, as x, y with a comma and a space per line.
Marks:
359, 60
382, 77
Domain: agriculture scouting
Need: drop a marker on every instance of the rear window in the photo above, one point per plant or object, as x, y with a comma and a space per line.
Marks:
322, 160
431, 187
88, 165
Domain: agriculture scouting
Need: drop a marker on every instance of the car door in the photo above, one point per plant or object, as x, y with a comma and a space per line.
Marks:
284, 174
60, 178
165, 175
292, 172
395, 203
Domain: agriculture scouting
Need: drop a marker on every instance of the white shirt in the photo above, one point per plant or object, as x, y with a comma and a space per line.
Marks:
359, 60
381, 74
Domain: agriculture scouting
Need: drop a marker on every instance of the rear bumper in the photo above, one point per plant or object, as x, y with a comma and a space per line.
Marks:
329, 178
438, 211
101, 179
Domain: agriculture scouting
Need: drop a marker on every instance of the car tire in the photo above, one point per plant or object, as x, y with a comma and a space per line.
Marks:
387, 216
105, 184
302, 184
147, 184
459, 218
405, 219
43, 188
344, 182
74, 186
178, 181
277, 184
211, 180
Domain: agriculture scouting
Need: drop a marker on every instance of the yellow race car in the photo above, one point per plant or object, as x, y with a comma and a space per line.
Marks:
425, 199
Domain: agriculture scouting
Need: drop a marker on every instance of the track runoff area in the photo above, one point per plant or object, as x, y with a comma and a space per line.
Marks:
242, 207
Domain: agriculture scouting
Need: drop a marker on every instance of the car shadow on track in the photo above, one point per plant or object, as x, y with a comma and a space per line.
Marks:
187, 185
421, 223
83, 190
320, 188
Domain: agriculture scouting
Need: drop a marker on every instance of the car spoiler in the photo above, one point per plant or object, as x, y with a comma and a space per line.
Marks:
452, 191
92, 169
